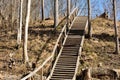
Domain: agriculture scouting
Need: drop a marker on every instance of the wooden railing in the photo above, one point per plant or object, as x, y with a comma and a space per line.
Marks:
56, 49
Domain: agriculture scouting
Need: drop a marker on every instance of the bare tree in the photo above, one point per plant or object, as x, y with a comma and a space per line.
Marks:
25, 54
68, 12
116, 28
89, 20
56, 17
20, 24
42, 4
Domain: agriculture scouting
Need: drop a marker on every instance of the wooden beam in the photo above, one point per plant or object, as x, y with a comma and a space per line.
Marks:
56, 16
116, 28
89, 20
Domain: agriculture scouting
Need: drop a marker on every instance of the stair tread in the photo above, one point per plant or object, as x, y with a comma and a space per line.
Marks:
65, 68
62, 77
68, 62
63, 74
65, 51
64, 59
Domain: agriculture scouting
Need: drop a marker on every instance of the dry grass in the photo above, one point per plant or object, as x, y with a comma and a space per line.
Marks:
100, 49
41, 41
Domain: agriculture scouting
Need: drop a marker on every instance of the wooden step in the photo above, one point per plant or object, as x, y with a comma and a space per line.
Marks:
63, 75
70, 48
69, 54
70, 51
59, 79
66, 77
65, 68
70, 68
68, 60
65, 64
66, 71
68, 57
62, 72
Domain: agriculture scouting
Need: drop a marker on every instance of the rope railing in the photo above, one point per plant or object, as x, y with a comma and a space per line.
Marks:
58, 45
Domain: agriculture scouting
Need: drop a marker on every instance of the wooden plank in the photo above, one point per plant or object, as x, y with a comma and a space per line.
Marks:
69, 68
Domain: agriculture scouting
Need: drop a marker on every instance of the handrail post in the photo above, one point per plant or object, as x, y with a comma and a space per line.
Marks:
65, 30
41, 74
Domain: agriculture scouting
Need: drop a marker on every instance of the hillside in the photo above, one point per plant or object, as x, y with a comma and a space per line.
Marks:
99, 51
41, 41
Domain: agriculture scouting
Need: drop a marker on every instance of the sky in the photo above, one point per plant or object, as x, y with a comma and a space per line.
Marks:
98, 7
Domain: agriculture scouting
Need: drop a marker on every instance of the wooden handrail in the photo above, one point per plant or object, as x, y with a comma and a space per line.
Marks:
54, 50
48, 59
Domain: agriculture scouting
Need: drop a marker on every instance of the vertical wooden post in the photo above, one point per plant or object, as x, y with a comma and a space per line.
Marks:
68, 12
41, 74
116, 27
26, 59
56, 17
89, 20
42, 6
87, 75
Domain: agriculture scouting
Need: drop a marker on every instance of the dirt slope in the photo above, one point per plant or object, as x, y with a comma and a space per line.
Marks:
99, 51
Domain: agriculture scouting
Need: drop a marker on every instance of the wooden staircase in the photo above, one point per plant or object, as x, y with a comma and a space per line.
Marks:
65, 67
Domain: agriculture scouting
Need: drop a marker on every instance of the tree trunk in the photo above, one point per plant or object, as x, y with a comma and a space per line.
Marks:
89, 20
42, 6
68, 11
56, 18
116, 27
26, 59
20, 24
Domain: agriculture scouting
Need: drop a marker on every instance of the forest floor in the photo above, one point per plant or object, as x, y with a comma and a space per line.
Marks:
41, 41
97, 51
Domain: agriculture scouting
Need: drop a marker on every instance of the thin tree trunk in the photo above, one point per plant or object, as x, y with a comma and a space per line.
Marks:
56, 18
89, 20
11, 16
68, 13
68, 10
20, 24
26, 59
116, 27
42, 6
39, 9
